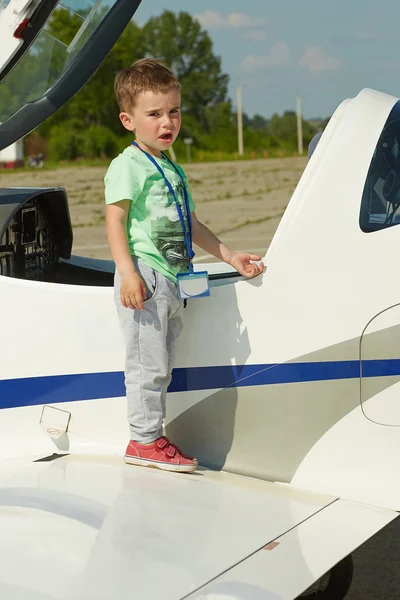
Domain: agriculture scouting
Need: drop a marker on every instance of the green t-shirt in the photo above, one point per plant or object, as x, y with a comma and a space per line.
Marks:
154, 230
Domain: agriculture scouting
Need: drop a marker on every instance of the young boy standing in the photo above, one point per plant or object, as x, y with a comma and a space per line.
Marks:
151, 224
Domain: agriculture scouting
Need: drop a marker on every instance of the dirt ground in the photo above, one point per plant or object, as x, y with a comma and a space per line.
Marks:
242, 202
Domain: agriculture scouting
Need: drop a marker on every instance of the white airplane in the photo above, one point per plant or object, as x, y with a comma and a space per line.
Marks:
286, 388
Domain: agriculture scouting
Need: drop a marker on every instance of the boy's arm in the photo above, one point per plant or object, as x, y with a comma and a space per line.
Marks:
204, 238
133, 291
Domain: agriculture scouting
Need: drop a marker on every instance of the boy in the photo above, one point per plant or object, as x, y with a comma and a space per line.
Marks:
149, 218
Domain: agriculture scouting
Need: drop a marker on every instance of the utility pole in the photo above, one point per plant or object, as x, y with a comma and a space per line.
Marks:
172, 153
188, 142
299, 126
239, 119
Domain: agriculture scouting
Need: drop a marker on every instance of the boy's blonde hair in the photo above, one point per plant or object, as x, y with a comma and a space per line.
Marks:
144, 75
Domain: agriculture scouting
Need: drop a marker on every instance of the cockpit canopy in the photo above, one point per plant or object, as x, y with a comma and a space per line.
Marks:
42, 67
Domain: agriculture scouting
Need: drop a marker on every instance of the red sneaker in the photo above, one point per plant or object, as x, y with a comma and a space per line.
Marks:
161, 454
180, 452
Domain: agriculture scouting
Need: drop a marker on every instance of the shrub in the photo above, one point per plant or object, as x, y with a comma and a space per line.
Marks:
65, 143
99, 142
70, 141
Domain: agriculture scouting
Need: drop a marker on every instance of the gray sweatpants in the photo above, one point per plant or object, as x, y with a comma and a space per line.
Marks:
150, 338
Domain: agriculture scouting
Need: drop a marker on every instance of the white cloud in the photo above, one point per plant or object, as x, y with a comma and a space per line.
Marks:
316, 61
278, 57
257, 35
239, 20
214, 20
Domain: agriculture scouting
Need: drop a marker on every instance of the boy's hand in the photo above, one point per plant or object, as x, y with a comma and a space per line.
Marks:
133, 291
242, 264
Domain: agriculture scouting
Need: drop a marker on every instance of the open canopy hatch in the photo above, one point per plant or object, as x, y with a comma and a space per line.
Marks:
39, 72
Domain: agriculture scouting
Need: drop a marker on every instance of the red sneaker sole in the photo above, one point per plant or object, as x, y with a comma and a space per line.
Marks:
155, 464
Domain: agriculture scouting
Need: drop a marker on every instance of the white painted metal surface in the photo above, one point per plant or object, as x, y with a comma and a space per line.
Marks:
109, 266
271, 389
310, 306
97, 529
13, 153
311, 549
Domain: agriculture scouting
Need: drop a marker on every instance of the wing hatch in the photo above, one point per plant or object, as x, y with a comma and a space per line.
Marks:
290, 564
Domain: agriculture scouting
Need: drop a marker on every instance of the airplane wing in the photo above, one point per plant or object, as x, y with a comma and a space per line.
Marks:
93, 528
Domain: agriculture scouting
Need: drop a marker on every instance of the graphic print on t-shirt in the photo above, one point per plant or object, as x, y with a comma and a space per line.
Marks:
166, 227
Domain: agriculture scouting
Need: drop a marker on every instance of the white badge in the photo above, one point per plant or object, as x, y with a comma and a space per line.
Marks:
193, 285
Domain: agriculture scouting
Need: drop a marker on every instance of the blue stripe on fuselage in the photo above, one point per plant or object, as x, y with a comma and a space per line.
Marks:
52, 389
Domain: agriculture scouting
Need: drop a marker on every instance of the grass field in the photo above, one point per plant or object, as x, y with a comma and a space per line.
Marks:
241, 201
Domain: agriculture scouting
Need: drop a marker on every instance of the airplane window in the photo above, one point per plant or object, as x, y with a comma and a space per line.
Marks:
381, 196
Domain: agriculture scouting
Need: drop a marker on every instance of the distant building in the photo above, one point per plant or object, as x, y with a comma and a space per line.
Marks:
13, 156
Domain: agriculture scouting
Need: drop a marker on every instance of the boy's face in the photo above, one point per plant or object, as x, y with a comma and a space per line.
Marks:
155, 120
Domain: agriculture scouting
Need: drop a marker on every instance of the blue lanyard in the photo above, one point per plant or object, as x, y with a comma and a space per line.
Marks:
187, 234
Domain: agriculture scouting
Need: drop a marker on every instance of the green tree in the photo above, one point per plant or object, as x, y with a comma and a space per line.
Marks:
95, 103
259, 122
285, 128
221, 128
64, 25
179, 41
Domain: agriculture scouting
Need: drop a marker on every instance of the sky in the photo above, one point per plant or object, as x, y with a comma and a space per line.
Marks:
322, 51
